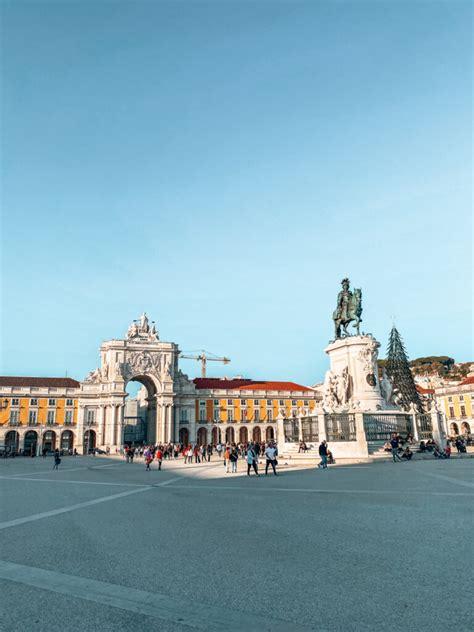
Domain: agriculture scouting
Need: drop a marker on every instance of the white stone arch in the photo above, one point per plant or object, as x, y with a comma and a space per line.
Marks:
140, 357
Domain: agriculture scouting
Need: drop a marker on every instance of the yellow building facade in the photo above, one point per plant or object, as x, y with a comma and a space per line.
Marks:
37, 413
237, 410
457, 402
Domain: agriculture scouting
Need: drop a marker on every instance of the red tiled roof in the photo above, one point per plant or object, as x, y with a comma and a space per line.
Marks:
246, 385
64, 382
425, 391
468, 380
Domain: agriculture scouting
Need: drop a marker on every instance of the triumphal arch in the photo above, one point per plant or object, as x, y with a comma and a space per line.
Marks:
140, 357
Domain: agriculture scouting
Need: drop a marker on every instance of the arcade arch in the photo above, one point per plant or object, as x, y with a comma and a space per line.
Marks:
49, 441
12, 441
31, 443
202, 436
243, 435
67, 440
184, 436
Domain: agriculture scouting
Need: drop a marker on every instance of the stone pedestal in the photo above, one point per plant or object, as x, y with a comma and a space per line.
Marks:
357, 357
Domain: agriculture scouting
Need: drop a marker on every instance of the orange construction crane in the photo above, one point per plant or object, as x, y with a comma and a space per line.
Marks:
204, 357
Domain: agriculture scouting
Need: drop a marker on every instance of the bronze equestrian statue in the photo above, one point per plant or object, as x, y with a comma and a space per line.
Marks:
348, 310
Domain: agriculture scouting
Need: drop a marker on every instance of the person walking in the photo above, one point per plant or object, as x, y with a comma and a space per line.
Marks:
394, 445
148, 459
227, 459
159, 457
252, 460
234, 455
209, 452
323, 453
57, 460
270, 454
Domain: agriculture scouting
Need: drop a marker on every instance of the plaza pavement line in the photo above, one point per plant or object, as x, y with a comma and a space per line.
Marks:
55, 512
63, 469
63, 480
443, 477
198, 615
403, 492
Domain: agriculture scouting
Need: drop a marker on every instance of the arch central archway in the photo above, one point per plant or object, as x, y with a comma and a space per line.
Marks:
139, 421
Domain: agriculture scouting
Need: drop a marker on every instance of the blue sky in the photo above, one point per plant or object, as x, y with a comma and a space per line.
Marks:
223, 166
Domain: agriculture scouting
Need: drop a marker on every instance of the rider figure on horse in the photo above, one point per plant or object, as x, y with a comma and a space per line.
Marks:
343, 301
348, 310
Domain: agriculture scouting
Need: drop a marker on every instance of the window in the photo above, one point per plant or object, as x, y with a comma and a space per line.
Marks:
450, 399
269, 415
305, 403
69, 402
293, 412
202, 414
256, 415
14, 417
32, 417
463, 411
282, 403
229, 402
90, 417
68, 417
183, 415
269, 402
202, 403
230, 415
33, 402
216, 415
244, 402
51, 402
15, 402
50, 418
256, 402
451, 413
293, 402
461, 398
216, 402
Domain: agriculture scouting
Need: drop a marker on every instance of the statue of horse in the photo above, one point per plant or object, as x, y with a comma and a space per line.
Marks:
354, 312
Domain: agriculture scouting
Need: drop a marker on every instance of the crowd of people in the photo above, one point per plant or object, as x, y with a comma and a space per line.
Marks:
230, 453
400, 448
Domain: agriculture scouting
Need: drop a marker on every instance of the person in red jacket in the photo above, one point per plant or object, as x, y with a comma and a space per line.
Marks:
159, 457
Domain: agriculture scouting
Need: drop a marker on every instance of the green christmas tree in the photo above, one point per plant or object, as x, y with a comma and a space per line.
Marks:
398, 370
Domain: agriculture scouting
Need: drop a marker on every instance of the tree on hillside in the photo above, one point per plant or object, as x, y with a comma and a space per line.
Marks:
398, 370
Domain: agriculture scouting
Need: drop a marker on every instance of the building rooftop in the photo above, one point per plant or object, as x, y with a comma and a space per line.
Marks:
236, 384
468, 380
64, 382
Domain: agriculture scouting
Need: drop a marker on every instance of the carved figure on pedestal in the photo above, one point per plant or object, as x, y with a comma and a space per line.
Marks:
337, 390
105, 371
330, 386
386, 388
349, 309
144, 323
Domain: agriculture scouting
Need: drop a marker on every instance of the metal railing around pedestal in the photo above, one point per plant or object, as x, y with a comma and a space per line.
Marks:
424, 426
340, 426
381, 426
291, 430
310, 429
